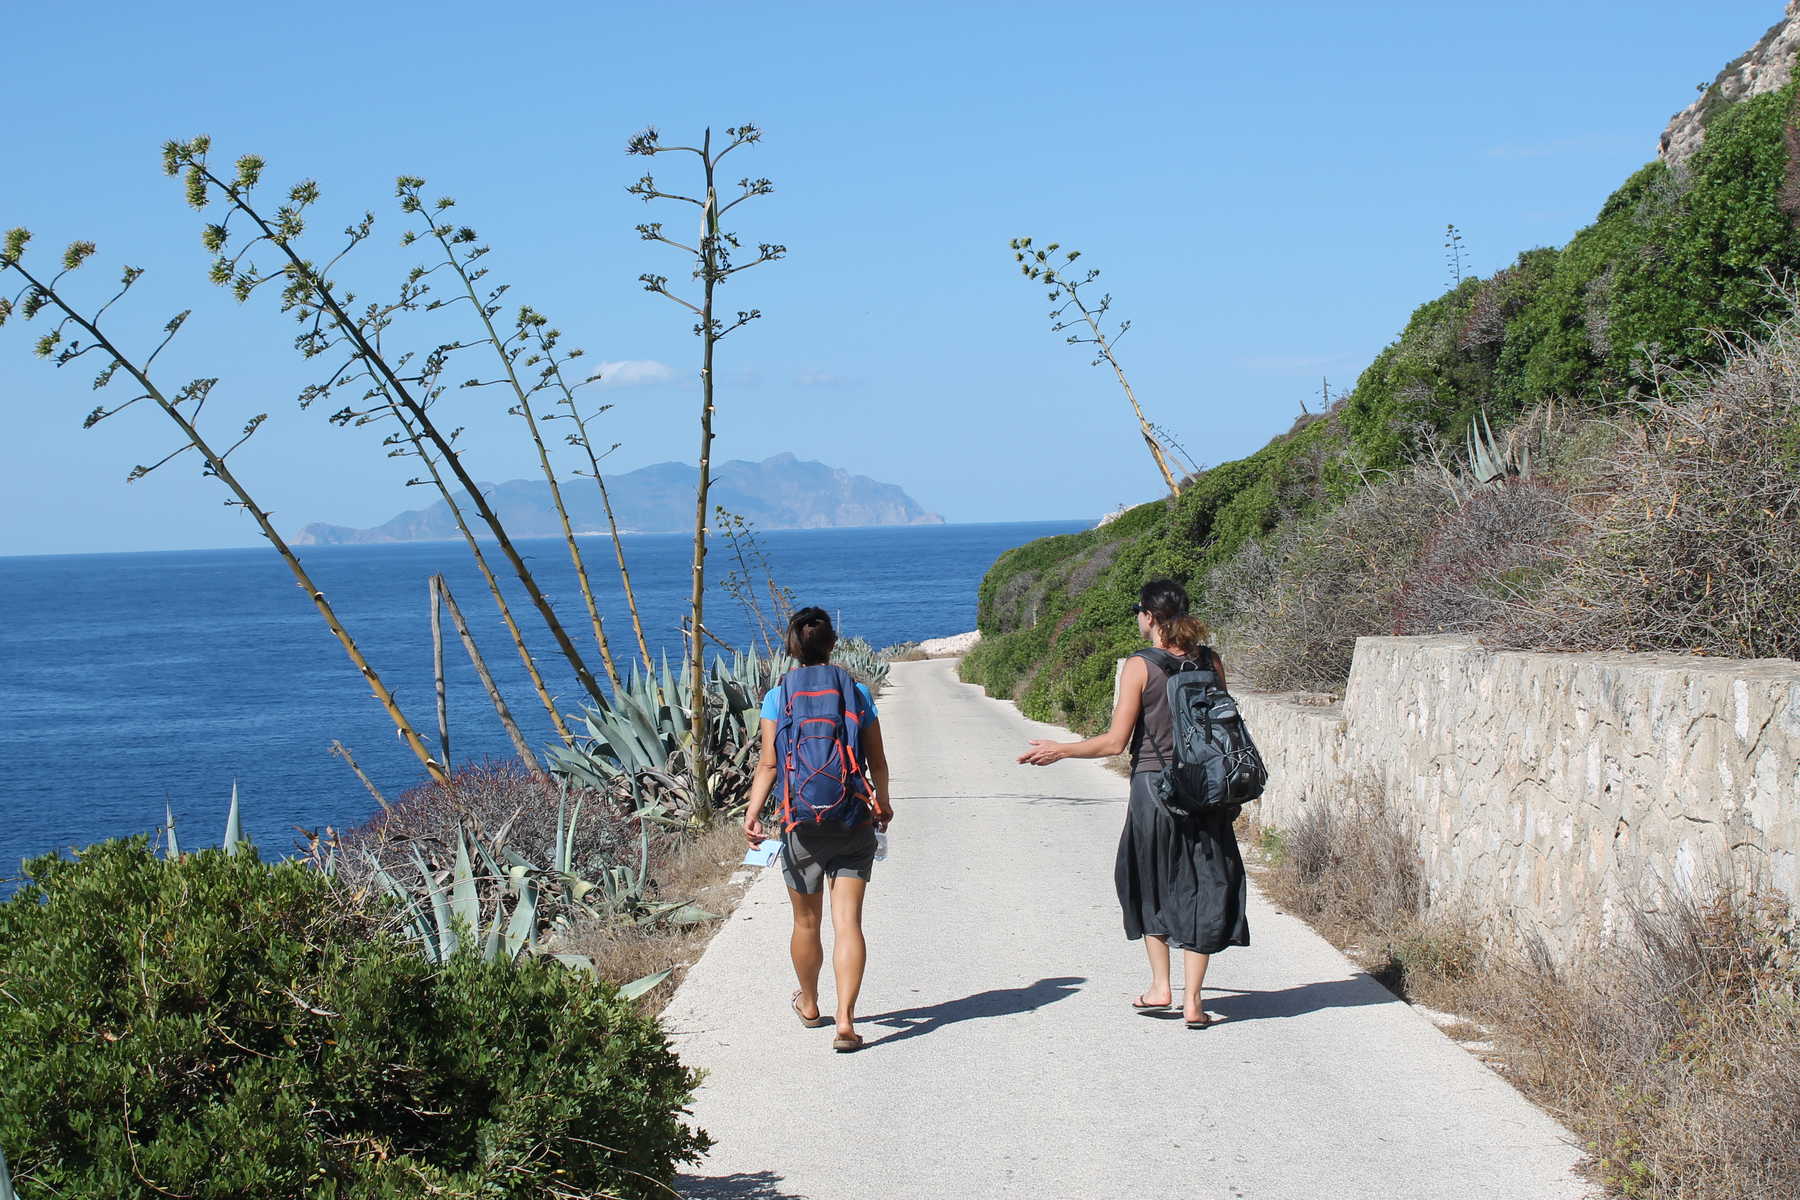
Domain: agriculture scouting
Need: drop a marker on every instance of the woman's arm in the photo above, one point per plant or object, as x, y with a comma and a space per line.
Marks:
1118, 734
1219, 669
761, 784
875, 758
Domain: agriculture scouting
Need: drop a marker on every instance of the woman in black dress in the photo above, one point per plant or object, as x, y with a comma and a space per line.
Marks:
1180, 883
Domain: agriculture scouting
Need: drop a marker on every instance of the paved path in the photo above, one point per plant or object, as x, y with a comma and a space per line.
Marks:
1003, 1059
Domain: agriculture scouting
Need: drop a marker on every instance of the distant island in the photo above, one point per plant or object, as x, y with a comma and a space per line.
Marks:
782, 492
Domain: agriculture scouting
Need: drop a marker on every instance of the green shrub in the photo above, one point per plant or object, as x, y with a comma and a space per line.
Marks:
1714, 249
217, 1027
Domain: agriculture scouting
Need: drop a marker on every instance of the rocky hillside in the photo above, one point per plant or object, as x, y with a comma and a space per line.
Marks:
782, 492
1767, 66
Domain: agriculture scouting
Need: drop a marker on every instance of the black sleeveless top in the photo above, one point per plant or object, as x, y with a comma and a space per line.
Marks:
1153, 737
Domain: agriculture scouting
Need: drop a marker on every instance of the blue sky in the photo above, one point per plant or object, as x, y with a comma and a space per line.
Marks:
1265, 189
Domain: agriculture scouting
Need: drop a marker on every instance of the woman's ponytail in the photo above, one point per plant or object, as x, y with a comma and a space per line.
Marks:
810, 637
1167, 603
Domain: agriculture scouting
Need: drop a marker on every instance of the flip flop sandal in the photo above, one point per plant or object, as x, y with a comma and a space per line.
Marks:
1205, 1022
1142, 1007
844, 1043
818, 1022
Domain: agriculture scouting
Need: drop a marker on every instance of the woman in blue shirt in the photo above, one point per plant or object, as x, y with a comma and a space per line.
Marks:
840, 849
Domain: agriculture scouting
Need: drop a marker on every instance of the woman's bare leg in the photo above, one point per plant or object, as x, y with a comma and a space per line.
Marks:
848, 953
1157, 950
1193, 970
805, 948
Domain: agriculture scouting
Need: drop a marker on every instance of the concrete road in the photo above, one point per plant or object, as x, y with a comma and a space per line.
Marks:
1003, 1058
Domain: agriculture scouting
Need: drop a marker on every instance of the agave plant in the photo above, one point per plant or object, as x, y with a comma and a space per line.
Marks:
862, 661
234, 840
636, 744
1490, 463
445, 910
441, 915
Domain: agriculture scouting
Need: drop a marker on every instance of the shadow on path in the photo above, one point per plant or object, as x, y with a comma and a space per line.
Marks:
748, 1185
997, 1002
1354, 992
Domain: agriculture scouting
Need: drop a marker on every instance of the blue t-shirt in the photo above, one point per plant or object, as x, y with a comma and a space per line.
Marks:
865, 705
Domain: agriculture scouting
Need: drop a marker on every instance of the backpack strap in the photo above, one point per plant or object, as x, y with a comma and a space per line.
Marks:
1169, 664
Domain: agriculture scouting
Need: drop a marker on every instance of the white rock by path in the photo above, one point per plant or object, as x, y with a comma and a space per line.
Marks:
956, 643
1003, 1059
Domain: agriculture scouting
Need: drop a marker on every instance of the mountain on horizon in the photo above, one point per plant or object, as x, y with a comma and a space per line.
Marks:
781, 492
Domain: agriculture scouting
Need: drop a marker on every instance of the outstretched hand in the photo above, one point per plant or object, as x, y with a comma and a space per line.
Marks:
1043, 753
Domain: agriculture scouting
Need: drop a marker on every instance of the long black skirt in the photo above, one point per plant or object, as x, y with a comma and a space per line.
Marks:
1180, 881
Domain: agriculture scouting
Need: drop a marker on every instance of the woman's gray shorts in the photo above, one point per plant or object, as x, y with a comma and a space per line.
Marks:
811, 853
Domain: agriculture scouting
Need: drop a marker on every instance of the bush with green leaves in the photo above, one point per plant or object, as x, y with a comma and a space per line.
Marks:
212, 1026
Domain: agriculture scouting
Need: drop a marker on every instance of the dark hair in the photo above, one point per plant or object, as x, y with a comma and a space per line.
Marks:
1167, 603
810, 636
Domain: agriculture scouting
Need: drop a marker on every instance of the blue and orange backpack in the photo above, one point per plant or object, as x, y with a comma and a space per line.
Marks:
816, 741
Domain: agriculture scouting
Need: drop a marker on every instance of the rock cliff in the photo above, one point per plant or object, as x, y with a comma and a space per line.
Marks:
1766, 67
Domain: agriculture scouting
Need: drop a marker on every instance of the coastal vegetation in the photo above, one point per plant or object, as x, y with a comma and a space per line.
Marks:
215, 1026
1646, 497
431, 1003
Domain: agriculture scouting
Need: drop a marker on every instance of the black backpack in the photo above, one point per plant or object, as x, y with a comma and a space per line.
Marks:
1216, 767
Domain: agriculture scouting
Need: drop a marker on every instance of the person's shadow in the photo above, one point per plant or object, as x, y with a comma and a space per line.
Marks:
996, 1002
1235, 1006
746, 1185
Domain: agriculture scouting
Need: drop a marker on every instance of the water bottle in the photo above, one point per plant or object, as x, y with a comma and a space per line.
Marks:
881, 840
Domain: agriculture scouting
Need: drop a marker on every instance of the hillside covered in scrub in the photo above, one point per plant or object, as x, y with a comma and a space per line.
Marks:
1597, 447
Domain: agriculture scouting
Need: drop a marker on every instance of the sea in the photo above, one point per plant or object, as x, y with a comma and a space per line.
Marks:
134, 683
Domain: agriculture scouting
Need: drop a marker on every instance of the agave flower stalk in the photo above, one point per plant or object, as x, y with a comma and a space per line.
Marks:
418, 449
553, 370
711, 257
508, 350
317, 302
520, 745
1065, 293
342, 751
183, 409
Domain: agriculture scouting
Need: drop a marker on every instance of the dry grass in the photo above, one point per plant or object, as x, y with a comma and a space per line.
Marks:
1289, 613
1677, 1058
1351, 869
1696, 545
702, 870
1482, 556
1675, 1055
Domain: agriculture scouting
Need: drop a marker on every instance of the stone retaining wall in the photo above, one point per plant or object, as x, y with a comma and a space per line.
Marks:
1552, 792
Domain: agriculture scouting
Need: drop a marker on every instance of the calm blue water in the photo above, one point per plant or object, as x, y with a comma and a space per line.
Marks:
131, 680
